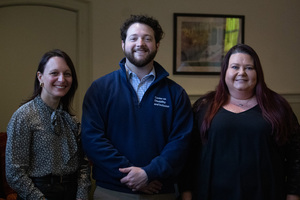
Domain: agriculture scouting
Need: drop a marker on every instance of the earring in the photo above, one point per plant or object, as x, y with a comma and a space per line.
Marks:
42, 84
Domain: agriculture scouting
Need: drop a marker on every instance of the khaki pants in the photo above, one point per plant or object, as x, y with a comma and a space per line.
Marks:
105, 194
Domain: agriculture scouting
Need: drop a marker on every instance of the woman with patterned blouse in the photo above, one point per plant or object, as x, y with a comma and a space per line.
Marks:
44, 158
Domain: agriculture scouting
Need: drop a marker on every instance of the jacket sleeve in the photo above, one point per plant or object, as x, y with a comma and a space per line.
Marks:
96, 145
187, 178
173, 156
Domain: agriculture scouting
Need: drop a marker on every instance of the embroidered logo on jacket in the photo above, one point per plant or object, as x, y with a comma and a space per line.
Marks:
161, 101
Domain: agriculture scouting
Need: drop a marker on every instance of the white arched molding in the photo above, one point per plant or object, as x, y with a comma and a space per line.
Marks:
83, 50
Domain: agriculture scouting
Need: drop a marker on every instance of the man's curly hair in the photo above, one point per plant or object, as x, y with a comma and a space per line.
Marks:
143, 19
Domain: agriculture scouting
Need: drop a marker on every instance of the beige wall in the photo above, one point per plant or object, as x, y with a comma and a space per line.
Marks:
29, 28
271, 28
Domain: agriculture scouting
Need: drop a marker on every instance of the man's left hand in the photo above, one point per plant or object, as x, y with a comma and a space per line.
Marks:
135, 179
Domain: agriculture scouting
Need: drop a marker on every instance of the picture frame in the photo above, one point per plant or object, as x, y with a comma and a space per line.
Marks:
202, 40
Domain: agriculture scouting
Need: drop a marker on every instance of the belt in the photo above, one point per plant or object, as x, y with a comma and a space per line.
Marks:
55, 179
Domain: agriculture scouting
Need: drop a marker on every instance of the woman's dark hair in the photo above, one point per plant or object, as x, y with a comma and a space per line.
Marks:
275, 108
68, 98
143, 19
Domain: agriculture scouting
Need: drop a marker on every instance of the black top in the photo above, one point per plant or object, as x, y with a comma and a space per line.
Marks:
241, 159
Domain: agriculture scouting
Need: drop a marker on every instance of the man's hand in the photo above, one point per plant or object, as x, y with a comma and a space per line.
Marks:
292, 197
135, 179
152, 188
186, 195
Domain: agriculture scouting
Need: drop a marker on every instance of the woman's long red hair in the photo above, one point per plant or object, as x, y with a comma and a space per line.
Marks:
275, 109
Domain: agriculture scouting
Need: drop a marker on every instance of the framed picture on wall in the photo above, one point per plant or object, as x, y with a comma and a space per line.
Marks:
202, 40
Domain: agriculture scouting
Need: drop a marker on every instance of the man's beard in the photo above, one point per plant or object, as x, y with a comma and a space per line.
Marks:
140, 63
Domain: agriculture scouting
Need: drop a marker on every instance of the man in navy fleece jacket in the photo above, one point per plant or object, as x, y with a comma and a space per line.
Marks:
136, 122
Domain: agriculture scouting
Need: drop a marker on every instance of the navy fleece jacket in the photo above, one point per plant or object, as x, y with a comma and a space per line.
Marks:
118, 131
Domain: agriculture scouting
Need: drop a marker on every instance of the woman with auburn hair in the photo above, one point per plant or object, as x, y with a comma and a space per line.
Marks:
246, 138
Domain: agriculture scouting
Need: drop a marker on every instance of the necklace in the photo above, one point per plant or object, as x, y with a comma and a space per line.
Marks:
243, 103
